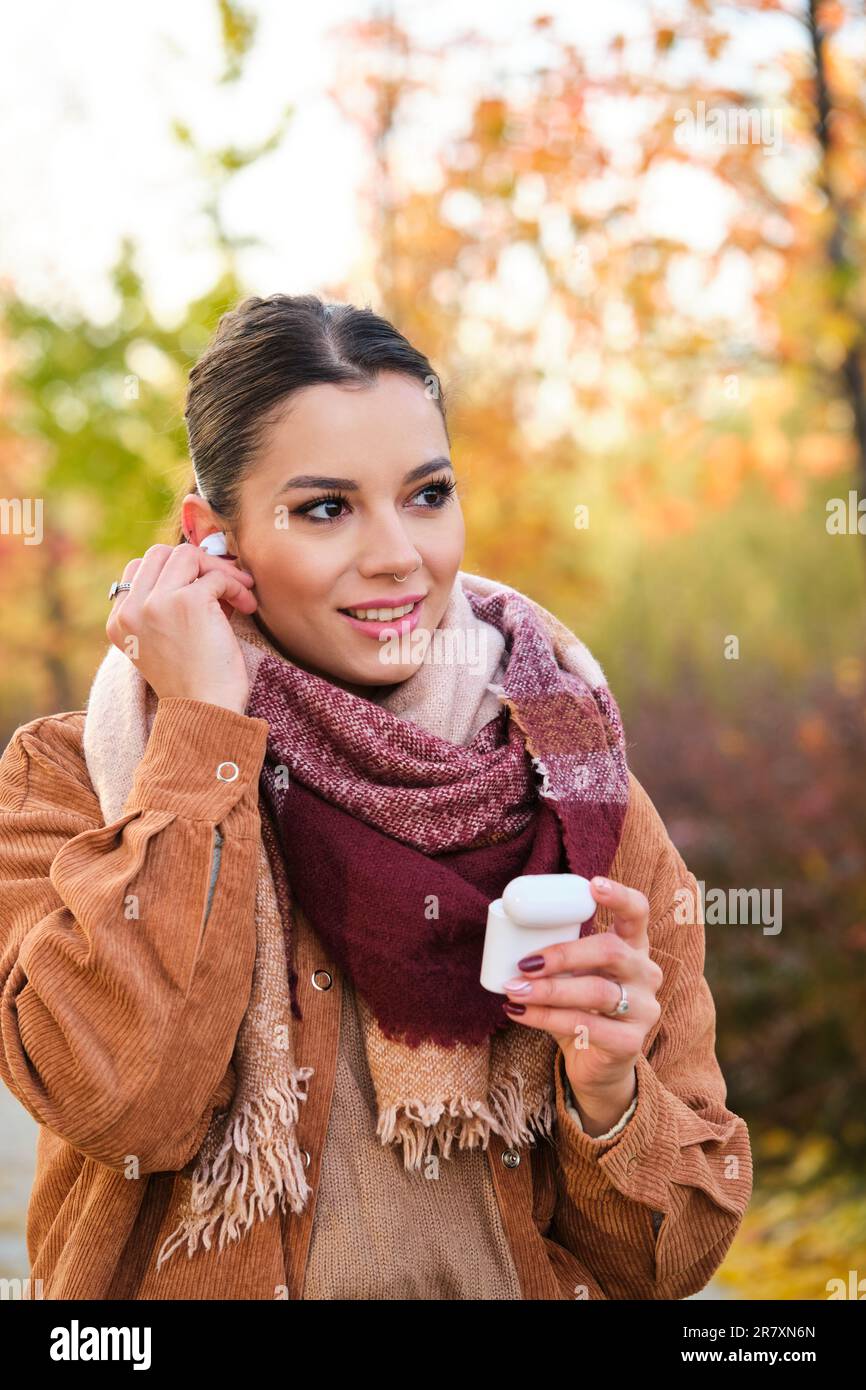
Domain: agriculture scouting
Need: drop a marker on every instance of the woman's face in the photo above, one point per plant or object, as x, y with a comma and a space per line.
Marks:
352, 486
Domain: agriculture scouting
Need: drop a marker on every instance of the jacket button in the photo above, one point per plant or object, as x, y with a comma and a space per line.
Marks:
227, 777
306, 1157
322, 979
510, 1157
632, 1164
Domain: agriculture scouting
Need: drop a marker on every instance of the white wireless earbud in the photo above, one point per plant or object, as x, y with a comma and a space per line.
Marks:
215, 544
535, 911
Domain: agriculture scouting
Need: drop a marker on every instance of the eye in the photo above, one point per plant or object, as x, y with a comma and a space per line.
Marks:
329, 499
442, 489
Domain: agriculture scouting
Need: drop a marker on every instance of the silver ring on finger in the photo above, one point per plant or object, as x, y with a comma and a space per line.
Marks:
118, 586
622, 1006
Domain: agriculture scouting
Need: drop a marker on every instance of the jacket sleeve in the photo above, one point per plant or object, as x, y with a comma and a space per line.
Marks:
654, 1208
127, 949
575, 1114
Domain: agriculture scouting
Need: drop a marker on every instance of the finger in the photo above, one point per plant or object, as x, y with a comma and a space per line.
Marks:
148, 570
230, 566
644, 1008
630, 909
127, 577
224, 586
145, 572
606, 952
614, 1036
229, 562
584, 992
620, 1037
187, 563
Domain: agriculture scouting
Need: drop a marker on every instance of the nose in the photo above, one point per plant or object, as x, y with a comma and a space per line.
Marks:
387, 548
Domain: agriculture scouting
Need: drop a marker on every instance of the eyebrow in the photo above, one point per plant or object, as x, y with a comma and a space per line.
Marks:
316, 480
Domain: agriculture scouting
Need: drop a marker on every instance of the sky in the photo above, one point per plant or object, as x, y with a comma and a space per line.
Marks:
88, 93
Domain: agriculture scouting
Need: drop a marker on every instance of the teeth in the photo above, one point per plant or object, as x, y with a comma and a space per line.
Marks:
381, 615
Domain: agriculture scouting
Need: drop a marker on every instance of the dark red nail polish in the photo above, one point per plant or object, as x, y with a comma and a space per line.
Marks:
530, 963
514, 1008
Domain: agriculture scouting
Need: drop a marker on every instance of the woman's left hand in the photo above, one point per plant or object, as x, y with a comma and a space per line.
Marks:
566, 990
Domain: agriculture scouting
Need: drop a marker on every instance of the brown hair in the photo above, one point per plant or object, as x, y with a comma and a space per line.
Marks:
262, 351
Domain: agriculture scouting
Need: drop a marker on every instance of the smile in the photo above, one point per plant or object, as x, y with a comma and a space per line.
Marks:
381, 614
373, 621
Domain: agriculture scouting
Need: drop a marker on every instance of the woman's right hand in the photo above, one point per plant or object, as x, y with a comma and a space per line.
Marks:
177, 611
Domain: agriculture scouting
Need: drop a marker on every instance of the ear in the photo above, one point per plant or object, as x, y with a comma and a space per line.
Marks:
198, 519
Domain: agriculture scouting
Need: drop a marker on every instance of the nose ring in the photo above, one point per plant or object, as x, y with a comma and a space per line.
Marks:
405, 576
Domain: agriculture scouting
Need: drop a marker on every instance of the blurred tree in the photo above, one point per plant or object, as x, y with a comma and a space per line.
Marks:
93, 425
669, 407
840, 130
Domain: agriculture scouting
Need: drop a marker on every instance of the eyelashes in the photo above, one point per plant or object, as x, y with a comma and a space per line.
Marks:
444, 488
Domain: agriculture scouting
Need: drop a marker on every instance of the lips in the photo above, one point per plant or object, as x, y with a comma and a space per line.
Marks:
382, 613
398, 601
372, 627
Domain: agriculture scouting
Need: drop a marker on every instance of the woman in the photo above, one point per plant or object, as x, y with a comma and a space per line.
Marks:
244, 895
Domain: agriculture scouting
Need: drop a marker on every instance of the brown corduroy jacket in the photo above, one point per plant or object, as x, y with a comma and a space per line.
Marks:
119, 1044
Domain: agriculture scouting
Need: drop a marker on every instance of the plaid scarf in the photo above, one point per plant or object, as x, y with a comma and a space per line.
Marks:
391, 823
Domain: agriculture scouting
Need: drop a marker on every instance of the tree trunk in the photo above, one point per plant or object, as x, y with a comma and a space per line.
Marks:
852, 374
